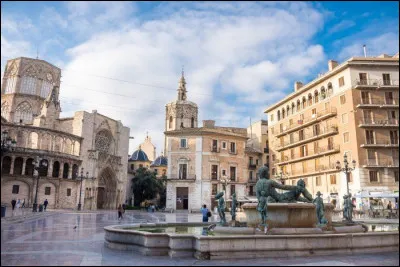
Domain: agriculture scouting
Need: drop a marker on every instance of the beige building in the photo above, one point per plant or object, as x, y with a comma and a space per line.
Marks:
202, 160
352, 109
30, 110
148, 148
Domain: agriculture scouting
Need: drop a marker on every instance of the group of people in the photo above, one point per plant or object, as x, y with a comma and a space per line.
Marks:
18, 204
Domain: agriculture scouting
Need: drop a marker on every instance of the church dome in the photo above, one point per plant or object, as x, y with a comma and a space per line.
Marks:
139, 155
160, 161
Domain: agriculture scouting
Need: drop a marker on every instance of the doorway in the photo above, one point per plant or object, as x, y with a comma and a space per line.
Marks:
100, 197
182, 198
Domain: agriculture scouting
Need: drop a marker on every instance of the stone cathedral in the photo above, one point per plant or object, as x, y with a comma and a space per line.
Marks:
30, 113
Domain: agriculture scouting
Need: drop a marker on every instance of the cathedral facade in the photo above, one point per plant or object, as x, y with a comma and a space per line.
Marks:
88, 143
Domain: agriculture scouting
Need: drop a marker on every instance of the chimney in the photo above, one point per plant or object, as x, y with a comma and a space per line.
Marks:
297, 86
208, 123
332, 64
365, 50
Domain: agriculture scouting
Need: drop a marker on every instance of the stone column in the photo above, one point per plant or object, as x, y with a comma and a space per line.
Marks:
70, 171
60, 174
12, 165
24, 165
50, 169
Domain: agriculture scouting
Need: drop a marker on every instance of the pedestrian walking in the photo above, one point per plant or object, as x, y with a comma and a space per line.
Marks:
206, 213
13, 202
18, 203
23, 204
45, 204
120, 211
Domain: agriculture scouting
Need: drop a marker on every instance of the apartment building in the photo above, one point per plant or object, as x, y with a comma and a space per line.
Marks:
352, 109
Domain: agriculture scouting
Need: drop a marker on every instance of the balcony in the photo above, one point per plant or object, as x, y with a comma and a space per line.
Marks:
381, 163
391, 123
232, 152
375, 84
378, 103
48, 153
215, 149
321, 115
266, 150
299, 157
389, 143
323, 132
177, 179
252, 166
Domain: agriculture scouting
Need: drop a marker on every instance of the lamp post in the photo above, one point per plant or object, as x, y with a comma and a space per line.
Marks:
346, 169
80, 191
7, 143
37, 165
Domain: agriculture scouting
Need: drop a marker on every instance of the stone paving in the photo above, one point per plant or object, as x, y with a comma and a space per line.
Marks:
52, 240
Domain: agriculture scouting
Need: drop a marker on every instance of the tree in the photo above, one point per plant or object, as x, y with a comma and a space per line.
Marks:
145, 185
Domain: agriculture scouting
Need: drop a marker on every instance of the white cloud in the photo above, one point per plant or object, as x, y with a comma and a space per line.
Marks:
51, 18
343, 25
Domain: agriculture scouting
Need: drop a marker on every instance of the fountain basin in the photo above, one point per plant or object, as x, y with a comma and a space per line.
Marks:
286, 215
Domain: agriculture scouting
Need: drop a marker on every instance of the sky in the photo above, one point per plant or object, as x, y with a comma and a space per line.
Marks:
125, 59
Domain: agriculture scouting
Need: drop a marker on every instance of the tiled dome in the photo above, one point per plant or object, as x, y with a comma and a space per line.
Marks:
139, 155
160, 161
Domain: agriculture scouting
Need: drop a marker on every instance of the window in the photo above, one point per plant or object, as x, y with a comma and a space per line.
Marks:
10, 85
278, 115
15, 189
182, 171
394, 138
282, 141
343, 99
363, 78
291, 138
316, 97
316, 147
345, 118
251, 175
214, 172
272, 117
389, 98
183, 143
396, 176
256, 161
314, 113
341, 81
330, 143
282, 156
298, 105
28, 85
369, 137
214, 189
373, 176
281, 127
224, 172
233, 147
251, 191
303, 151
45, 90
345, 137
214, 146
47, 190
292, 153
392, 115
233, 173
192, 122
368, 116
316, 129
323, 93
333, 178
170, 122
301, 135
23, 112
223, 145
386, 78
309, 100
365, 97
232, 189
318, 181
68, 192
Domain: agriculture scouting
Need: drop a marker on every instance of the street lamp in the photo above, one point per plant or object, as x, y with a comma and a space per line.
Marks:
80, 191
38, 163
347, 170
7, 143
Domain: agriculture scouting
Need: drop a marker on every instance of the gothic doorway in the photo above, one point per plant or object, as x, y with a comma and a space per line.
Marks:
107, 189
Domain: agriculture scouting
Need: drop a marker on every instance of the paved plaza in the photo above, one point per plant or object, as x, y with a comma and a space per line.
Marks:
52, 240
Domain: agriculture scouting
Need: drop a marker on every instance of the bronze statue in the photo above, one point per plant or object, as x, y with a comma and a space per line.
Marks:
233, 207
221, 207
319, 203
348, 208
262, 208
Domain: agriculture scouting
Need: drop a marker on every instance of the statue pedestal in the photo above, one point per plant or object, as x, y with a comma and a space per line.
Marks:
287, 215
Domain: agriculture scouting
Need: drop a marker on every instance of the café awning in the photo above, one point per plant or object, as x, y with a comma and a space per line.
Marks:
376, 195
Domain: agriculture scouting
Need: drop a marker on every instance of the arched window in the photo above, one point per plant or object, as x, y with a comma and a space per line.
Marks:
192, 123
170, 122
10, 88
330, 89
304, 102
287, 110
316, 96
4, 109
298, 105
44, 167
18, 162
309, 99
283, 113
323, 93
6, 165
23, 112
65, 171
45, 90
278, 115
56, 169
28, 85
75, 170
29, 167
293, 107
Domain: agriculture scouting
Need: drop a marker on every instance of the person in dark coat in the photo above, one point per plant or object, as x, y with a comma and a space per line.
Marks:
45, 204
13, 202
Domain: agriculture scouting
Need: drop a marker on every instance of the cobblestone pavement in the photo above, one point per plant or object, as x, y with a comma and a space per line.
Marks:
52, 240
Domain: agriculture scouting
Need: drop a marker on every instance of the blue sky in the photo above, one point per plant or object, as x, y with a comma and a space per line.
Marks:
239, 57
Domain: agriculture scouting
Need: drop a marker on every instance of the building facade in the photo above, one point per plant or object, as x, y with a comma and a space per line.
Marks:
30, 110
352, 109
